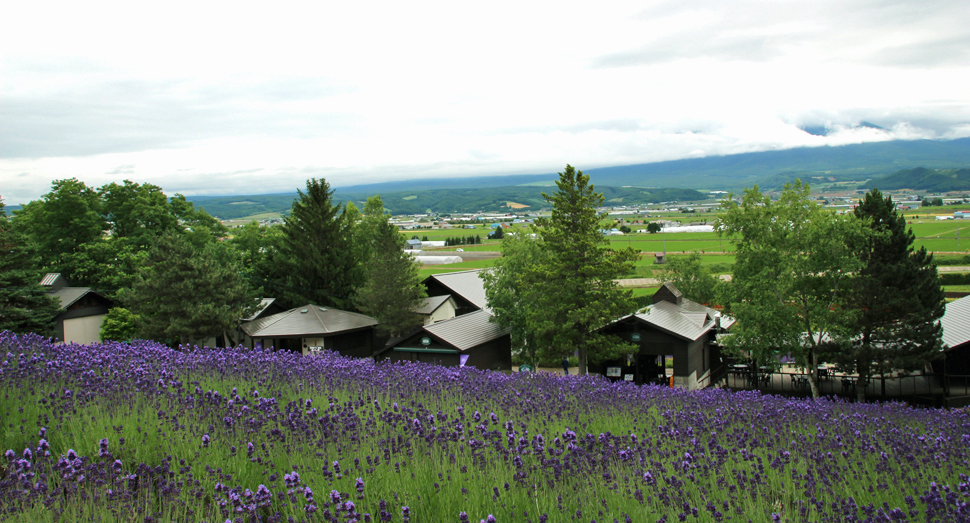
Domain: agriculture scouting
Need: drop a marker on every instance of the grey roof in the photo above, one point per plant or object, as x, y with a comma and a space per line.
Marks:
316, 321
431, 304
468, 330
466, 284
263, 304
956, 322
69, 295
689, 320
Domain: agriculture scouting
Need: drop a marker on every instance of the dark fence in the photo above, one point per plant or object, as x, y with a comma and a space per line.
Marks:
922, 389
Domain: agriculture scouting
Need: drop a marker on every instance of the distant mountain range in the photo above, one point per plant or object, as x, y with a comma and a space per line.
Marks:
678, 180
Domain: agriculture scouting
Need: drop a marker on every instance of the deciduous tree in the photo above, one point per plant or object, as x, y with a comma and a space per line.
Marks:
790, 286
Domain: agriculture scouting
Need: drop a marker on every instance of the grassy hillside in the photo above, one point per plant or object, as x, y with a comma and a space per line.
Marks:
922, 179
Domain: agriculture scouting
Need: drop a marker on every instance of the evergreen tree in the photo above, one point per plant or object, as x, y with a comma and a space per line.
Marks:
316, 258
186, 295
392, 288
898, 296
24, 305
576, 285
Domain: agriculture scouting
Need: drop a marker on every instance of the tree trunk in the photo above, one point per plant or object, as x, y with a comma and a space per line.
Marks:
862, 367
813, 374
582, 360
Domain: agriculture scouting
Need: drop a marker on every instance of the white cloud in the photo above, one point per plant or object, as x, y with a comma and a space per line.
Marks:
222, 98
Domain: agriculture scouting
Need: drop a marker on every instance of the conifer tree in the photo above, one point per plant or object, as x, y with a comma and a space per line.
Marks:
897, 295
577, 283
24, 305
316, 258
392, 288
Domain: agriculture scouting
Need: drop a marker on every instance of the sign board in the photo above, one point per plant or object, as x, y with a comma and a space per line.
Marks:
628, 377
425, 341
525, 368
614, 372
635, 337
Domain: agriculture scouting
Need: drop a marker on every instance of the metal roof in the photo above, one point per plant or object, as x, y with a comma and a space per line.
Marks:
263, 304
431, 304
956, 322
307, 321
50, 278
69, 295
468, 330
689, 320
466, 284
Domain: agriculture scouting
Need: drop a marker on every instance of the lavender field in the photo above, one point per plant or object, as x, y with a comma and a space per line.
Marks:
139, 432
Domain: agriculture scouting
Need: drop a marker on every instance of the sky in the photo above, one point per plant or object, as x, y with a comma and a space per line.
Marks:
219, 98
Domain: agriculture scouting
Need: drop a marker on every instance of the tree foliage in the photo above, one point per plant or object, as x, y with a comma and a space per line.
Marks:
24, 305
897, 295
392, 288
119, 324
513, 299
316, 261
575, 285
790, 286
186, 295
693, 279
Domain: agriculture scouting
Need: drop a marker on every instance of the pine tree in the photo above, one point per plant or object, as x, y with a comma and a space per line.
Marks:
184, 295
316, 257
392, 288
577, 282
24, 305
898, 296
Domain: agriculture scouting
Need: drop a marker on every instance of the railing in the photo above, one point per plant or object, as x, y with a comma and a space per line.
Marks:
927, 388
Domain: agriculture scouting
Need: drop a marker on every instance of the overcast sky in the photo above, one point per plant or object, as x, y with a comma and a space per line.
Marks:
223, 98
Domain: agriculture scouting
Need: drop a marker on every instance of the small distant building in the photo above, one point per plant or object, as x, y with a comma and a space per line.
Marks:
413, 245
468, 340
82, 310
312, 328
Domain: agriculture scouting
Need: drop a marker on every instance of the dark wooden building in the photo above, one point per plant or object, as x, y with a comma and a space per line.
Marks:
82, 310
312, 328
675, 338
468, 340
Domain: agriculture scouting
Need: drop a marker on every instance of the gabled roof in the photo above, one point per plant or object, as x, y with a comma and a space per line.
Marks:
264, 303
467, 331
956, 322
689, 320
466, 284
70, 295
431, 304
307, 321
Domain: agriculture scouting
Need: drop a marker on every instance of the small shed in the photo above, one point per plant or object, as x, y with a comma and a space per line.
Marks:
675, 338
311, 328
437, 308
82, 310
413, 245
468, 340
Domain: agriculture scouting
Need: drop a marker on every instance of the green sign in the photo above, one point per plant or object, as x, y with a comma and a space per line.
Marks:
635, 336
525, 368
425, 341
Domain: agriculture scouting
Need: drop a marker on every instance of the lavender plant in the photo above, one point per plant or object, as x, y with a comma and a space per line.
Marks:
139, 432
